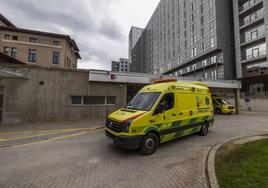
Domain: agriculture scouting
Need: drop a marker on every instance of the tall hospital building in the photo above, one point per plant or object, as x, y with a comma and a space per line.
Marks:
211, 39
251, 32
189, 38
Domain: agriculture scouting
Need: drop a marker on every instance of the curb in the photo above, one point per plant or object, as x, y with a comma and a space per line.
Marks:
212, 181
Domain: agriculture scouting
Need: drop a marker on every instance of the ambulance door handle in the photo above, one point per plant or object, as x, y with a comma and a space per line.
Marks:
180, 113
191, 113
173, 115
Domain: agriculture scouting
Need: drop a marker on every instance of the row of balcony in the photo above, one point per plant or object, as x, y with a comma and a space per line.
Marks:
248, 4
251, 18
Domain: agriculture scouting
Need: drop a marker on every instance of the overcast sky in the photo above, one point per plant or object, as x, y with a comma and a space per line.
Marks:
100, 27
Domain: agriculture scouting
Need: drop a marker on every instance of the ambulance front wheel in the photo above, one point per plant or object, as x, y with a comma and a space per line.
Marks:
204, 129
149, 144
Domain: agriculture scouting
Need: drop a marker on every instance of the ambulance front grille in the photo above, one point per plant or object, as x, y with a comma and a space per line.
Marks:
114, 126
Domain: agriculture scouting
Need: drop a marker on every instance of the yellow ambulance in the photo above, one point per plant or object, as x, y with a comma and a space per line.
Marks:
161, 112
222, 106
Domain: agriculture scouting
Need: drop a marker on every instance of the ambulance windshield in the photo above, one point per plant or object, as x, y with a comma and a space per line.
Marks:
143, 101
222, 101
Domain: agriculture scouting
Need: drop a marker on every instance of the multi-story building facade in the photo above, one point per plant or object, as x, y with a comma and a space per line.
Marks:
251, 32
37, 47
133, 37
120, 66
189, 38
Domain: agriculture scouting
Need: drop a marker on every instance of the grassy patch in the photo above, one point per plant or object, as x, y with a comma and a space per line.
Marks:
243, 166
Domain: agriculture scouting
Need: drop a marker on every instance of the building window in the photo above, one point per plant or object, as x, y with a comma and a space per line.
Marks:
253, 33
213, 59
179, 60
210, 13
212, 42
192, 28
7, 50
13, 52
56, 58
32, 57
188, 69
202, 33
203, 48
56, 43
31, 39
255, 69
255, 51
93, 100
14, 37
110, 100
215, 74
193, 39
76, 100
211, 26
206, 75
185, 44
201, 8
193, 52
7, 37
202, 20
252, 17
204, 63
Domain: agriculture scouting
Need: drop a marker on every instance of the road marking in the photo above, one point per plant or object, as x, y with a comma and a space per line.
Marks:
33, 136
74, 135
51, 130
55, 139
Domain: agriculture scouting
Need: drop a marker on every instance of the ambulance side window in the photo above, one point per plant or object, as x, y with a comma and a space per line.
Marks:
168, 101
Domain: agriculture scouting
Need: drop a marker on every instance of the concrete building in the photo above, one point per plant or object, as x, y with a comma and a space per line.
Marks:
32, 93
251, 32
191, 38
38, 47
120, 66
133, 37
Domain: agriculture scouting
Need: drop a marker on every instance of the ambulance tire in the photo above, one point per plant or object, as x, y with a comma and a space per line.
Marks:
204, 129
149, 144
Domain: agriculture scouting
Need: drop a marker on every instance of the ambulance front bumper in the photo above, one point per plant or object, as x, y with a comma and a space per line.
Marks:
125, 142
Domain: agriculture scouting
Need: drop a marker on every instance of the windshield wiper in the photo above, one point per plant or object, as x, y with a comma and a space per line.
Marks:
130, 108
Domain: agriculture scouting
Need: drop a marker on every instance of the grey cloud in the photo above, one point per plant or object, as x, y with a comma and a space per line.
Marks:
85, 20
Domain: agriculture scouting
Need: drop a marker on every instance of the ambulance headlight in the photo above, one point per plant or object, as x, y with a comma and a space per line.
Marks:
126, 126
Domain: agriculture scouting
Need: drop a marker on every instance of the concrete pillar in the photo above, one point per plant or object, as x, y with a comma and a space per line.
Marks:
237, 100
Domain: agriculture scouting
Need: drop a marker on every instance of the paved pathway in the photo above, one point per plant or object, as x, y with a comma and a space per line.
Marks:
89, 161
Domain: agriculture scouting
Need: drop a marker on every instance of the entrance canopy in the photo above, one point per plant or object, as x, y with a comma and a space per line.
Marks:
143, 79
140, 78
21, 73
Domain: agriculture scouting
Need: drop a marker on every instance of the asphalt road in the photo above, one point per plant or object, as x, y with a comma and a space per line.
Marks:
86, 159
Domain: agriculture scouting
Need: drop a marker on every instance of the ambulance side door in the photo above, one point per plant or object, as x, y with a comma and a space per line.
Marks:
169, 114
